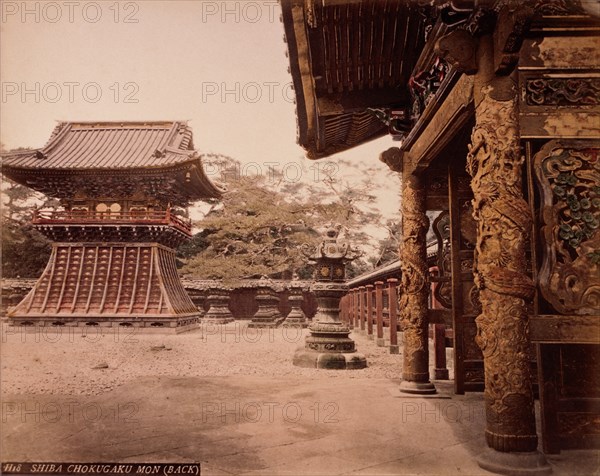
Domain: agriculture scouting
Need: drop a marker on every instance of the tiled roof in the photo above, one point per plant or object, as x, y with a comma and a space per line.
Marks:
80, 157
109, 145
348, 59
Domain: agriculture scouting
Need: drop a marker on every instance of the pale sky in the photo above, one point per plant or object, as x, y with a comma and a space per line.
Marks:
220, 65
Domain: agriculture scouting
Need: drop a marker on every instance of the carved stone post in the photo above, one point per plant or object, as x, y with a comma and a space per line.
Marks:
296, 317
268, 314
414, 289
503, 220
218, 312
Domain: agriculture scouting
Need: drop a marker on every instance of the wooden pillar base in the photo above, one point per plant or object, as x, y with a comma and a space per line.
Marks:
439, 341
419, 388
514, 464
441, 374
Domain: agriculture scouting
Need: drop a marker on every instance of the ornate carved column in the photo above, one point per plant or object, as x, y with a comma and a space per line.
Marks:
504, 220
414, 289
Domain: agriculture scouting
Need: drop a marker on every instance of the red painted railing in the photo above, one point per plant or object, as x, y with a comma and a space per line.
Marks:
141, 217
372, 308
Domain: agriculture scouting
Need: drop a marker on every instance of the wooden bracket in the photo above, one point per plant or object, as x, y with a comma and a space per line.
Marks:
512, 24
459, 49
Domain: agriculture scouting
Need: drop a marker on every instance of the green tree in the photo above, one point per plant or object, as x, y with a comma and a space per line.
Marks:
254, 232
25, 251
262, 220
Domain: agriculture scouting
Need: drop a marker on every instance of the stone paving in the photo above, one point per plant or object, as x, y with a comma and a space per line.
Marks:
265, 423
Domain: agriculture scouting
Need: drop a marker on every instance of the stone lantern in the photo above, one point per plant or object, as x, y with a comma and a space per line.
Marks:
328, 345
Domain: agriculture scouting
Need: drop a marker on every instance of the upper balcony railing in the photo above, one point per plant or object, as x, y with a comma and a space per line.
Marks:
137, 217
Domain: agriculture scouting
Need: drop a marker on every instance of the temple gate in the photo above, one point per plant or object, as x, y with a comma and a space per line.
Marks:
113, 251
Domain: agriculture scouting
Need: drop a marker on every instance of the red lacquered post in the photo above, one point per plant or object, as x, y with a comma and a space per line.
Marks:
369, 310
362, 307
393, 303
379, 312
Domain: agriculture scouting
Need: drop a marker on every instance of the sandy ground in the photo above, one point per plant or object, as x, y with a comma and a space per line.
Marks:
86, 362
176, 383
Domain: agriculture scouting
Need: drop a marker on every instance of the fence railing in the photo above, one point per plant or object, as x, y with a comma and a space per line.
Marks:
373, 308
144, 217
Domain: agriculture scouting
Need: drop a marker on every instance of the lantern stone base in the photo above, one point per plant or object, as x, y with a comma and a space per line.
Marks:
514, 463
329, 347
325, 360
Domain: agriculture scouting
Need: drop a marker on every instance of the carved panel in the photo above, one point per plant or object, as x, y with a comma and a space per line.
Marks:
568, 174
578, 424
562, 91
471, 302
557, 7
471, 349
441, 228
468, 226
579, 371
425, 84
475, 375
436, 182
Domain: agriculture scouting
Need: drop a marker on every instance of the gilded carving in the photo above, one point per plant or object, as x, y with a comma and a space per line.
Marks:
503, 221
474, 300
414, 284
569, 177
468, 226
562, 91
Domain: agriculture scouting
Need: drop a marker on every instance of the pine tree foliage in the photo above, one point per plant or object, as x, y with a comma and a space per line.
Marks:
262, 221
